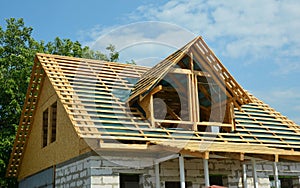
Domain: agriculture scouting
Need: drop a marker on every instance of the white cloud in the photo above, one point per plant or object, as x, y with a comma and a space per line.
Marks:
253, 28
286, 101
242, 31
143, 40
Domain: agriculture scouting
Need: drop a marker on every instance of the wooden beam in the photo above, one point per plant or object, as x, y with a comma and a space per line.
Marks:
235, 156
156, 90
204, 91
267, 157
202, 155
295, 158
173, 114
180, 71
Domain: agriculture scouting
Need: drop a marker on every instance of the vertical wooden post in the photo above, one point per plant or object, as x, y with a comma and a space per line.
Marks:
206, 172
190, 96
157, 177
151, 111
181, 170
232, 117
275, 170
254, 174
197, 108
245, 185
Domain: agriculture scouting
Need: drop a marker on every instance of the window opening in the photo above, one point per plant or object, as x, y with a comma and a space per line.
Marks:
129, 180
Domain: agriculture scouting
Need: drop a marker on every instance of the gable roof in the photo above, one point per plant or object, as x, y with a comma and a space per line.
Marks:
94, 95
198, 50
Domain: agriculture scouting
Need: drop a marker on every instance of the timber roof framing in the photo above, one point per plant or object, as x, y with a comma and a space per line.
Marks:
95, 94
27, 117
198, 50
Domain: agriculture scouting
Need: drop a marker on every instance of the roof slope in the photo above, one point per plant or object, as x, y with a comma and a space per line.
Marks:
94, 94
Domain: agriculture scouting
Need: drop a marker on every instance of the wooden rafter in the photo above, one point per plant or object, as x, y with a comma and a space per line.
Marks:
26, 120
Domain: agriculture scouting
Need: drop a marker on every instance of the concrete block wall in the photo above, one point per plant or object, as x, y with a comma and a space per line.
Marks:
265, 170
73, 174
231, 170
99, 172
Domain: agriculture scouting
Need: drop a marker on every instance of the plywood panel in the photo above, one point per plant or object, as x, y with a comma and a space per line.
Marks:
65, 147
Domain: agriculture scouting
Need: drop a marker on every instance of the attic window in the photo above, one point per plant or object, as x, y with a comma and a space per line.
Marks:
49, 125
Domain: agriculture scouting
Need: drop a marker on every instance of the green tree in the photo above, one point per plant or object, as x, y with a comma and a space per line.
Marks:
17, 50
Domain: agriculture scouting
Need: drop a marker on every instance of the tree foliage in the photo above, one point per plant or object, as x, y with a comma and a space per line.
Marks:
17, 50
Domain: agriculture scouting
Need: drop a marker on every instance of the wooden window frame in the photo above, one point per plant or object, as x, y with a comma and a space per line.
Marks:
49, 125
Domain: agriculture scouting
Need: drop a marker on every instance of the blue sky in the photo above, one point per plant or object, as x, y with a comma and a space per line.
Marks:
258, 41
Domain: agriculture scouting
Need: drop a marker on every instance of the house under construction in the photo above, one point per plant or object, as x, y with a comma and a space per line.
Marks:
185, 122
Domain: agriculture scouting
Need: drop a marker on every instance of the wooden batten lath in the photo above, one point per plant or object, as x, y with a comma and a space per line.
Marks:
229, 150
26, 120
217, 70
89, 91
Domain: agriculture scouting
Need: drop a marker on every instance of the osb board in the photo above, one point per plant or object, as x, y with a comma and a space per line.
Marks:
64, 148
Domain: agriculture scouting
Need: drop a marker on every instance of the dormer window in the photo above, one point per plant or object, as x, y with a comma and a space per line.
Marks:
190, 89
188, 99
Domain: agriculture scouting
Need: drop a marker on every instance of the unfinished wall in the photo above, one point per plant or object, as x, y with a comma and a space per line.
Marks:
230, 170
92, 170
66, 146
41, 179
98, 172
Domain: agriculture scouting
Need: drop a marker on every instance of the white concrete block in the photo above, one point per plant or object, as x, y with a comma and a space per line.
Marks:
96, 180
110, 179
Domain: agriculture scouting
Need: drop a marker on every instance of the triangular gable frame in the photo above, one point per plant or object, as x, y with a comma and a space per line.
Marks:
200, 52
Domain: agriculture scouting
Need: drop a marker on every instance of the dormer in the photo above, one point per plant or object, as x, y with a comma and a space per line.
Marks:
190, 89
